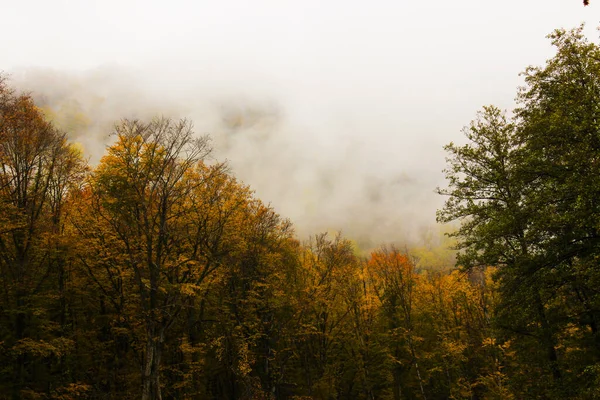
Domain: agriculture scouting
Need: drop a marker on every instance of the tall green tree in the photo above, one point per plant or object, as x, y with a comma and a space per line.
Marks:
526, 191
560, 137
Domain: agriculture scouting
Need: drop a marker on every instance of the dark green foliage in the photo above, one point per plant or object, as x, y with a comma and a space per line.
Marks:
528, 190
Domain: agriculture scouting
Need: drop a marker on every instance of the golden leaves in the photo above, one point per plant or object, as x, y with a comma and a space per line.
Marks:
40, 348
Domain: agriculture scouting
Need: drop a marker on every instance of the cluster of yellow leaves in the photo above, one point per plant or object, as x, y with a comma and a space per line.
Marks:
40, 348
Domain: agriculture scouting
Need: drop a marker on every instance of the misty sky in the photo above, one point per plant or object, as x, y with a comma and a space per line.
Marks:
334, 111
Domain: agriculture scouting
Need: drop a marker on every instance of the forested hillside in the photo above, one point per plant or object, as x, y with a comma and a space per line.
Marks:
156, 274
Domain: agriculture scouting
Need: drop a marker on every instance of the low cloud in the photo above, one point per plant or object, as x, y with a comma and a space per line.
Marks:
322, 166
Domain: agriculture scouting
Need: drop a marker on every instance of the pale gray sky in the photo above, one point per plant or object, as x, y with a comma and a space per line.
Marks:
345, 105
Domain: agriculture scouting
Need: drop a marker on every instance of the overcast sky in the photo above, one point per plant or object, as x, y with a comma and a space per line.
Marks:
333, 111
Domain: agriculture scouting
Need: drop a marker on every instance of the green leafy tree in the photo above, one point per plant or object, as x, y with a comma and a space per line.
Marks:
526, 192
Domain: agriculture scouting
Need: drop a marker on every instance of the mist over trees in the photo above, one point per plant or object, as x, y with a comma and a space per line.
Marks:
312, 166
156, 274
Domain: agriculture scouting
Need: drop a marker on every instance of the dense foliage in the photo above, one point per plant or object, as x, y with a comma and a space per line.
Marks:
156, 274
527, 191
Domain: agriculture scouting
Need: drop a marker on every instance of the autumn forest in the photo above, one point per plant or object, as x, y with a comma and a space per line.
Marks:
156, 274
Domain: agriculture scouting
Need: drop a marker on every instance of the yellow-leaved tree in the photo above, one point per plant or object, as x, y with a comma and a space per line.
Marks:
38, 167
156, 226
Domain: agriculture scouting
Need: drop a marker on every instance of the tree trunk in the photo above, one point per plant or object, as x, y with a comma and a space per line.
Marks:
152, 361
548, 340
